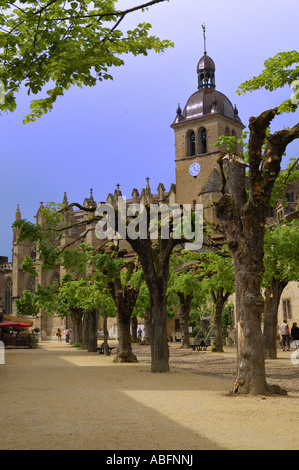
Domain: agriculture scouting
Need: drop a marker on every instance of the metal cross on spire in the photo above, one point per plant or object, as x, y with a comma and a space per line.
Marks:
204, 37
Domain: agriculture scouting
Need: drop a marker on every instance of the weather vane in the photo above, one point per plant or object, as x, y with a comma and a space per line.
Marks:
204, 37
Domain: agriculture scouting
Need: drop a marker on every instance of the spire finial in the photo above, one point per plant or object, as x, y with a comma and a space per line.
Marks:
18, 213
204, 37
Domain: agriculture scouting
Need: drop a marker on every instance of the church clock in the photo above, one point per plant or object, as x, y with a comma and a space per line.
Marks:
194, 169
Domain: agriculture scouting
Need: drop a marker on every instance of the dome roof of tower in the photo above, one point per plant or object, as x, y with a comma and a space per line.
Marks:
206, 63
206, 102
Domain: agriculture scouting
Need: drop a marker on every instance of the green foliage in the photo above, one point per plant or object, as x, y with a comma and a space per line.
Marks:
108, 266
226, 318
47, 298
288, 176
280, 71
281, 258
86, 293
198, 274
27, 305
28, 231
220, 264
143, 301
57, 45
28, 265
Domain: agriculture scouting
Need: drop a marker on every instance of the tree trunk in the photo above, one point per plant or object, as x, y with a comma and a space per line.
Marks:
106, 348
134, 324
93, 331
147, 326
154, 258
159, 343
272, 297
85, 331
185, 302
124, 351
76, 334
251, 376
125, 299
219, 300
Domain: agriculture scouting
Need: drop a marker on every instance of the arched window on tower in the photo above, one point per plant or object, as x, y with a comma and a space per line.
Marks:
226, 132
235, 136
191, 144
202, 140
8, 297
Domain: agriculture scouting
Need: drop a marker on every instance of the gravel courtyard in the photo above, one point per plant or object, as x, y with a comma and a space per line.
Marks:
60, 397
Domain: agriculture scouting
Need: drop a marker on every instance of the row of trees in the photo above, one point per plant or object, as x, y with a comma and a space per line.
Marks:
196, 279
71, 44
114, 286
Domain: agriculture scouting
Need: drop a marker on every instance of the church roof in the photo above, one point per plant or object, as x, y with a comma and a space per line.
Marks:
209, 101
213, 183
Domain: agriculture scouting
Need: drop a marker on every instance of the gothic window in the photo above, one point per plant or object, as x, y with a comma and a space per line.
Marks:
55, 278
287, 310
33, 254
191, 144
226, 132
203, 141
31, 285
290, 197
8, 297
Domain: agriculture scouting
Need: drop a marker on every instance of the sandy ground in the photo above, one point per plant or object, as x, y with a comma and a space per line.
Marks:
59, 397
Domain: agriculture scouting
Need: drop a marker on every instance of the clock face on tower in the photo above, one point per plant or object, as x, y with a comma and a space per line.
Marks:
194, 169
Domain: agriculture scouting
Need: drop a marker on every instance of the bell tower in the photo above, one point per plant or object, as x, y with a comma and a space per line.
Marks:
207, 115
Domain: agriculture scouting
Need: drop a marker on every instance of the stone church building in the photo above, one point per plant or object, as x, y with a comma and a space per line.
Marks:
207, 115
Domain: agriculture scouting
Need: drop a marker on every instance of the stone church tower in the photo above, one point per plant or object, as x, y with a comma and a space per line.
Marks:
207, 115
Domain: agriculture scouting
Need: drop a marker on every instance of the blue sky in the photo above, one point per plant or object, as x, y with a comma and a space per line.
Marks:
119, 131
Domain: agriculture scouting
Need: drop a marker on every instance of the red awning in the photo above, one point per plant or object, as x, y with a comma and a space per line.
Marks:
13, 324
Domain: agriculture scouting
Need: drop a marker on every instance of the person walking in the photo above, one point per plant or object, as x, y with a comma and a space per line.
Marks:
295, 335
139, 335
285, 334
67, 335
59, 334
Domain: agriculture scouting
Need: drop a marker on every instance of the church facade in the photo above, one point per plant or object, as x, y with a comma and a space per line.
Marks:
207, 115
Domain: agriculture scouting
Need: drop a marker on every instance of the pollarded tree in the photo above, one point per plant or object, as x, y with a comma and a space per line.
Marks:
60, 44
220, 285
154, 250
123, 280
243, 216
200, 278
185, 283
281, 262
